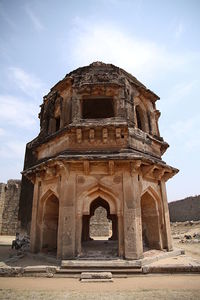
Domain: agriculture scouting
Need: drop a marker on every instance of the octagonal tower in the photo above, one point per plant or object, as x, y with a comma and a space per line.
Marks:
99, 145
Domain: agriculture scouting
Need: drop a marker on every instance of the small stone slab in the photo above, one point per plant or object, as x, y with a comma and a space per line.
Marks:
96, 277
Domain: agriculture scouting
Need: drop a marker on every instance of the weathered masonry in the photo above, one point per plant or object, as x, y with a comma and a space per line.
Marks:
9, 205
99, 146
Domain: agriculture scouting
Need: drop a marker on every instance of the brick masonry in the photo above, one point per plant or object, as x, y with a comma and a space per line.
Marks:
9, 206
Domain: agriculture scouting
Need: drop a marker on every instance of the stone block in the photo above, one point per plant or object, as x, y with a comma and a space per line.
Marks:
96, 276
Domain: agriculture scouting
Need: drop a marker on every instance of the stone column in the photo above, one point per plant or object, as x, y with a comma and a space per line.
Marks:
35, 244
120, 236
132, 217
67, 216
60, 220
76, 106
168, 239
78, 233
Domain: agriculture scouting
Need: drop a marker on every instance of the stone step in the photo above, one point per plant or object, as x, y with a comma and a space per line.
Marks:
103, 264
96, 277
115, 271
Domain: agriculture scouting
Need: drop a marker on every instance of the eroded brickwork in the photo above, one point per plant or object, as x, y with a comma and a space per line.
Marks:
9, 206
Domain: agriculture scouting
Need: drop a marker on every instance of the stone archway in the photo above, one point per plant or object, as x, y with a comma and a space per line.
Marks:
50, 224
99, 247
151, 227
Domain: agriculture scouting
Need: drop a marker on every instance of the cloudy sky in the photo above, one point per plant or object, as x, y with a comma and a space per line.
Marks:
156, 41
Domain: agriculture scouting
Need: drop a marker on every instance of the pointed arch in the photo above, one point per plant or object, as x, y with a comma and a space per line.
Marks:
50, 223
86, 198
149, 190
47, 193
47, 223
44, 197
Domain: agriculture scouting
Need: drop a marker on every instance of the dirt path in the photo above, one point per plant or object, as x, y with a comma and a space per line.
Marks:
120, 284
181, 287
192, 250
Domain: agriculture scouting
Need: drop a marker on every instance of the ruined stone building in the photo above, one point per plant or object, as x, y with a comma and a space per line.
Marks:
9, 206
99, 146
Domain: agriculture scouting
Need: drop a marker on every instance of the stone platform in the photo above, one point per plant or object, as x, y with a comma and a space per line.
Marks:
41, 265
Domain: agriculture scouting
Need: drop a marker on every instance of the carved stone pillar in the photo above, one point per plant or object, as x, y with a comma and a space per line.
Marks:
78, 233
120, 236
67, 216
76, 107
168, 239
35, 245
132, 217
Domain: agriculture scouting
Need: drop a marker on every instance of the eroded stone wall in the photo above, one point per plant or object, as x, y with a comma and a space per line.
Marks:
185, 210
99, 224
9, 206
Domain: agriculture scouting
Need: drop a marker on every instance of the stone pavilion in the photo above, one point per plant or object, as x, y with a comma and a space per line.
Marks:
99, 146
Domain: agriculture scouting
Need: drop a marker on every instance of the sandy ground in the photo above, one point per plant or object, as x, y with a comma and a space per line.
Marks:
138, 287
179, 229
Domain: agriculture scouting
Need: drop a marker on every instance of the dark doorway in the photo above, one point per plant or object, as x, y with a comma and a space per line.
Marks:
150, 223
50, 225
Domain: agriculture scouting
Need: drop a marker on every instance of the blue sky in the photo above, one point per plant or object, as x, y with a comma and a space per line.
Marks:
156, 41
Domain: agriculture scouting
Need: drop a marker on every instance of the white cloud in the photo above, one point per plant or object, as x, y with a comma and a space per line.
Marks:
35, 20
28, 83
90, 41
17, 112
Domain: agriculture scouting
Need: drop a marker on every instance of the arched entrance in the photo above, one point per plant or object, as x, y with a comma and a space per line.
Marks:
99, 239
50, 224
150, 222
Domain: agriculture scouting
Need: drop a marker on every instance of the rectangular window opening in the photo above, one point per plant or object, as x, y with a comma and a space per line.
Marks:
97, 108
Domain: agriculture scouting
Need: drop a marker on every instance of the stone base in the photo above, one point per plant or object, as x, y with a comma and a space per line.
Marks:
173, 262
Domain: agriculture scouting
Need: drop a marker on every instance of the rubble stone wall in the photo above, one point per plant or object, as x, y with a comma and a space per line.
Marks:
9, 206
99, 224
187, 209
